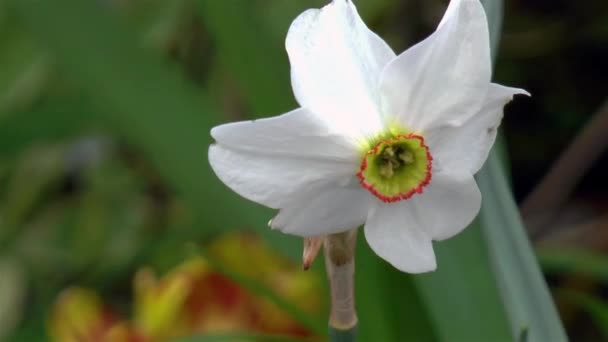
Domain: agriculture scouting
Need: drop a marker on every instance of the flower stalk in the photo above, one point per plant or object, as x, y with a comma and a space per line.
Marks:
340, 265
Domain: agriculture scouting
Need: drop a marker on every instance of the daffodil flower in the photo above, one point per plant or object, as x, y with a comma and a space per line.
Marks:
391, 142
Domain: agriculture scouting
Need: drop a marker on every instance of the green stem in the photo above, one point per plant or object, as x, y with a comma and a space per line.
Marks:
338, 335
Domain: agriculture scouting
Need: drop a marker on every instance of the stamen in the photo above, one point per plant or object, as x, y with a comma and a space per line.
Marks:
407, 157
386, 170
388, 152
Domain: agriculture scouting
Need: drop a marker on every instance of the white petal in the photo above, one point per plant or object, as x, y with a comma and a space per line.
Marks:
447, 205
463, 149
394, 232
329, 211
273, 180
444, 78
336, 62
297, 133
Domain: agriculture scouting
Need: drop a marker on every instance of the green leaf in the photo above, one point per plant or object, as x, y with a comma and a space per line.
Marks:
259, 64
35, 175
494, 13
462, 292
58, 120
24, 67
573, 260
12, 296
524, 293
147, 102
133, 92
595, 307
388, 304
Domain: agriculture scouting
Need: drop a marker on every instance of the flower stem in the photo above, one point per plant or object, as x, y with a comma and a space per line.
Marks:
337, 335
340, 265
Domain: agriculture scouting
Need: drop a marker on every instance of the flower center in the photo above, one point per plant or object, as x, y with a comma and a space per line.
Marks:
396, 168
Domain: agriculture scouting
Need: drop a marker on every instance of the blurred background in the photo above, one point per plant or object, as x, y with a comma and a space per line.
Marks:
113, 227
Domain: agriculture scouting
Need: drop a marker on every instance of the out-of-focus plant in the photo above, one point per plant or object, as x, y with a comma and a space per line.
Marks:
151, 77
194, 298
80, 315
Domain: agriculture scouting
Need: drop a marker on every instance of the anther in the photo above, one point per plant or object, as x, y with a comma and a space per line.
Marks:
386, 170
388, 153
407, 157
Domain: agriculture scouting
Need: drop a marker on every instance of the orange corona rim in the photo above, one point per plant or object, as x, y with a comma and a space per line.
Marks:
397, 168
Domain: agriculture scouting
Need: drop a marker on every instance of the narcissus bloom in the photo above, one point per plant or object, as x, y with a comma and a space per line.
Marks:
388, 141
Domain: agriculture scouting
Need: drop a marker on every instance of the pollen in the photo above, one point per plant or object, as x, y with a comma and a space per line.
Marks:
396, 168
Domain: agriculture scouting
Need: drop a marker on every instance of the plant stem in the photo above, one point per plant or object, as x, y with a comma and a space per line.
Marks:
340, 265
337, 335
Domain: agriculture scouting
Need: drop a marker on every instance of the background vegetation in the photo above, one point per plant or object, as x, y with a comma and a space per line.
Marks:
113, 226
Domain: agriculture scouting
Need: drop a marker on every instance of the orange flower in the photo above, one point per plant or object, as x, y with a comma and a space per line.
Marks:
193, 298
80, 316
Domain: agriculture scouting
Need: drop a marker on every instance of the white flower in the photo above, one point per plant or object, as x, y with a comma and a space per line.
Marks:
388, 141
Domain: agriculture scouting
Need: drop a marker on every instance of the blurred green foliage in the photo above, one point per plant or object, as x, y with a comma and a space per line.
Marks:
105, 112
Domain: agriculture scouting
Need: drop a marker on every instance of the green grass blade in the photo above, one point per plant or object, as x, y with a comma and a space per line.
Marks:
525, 294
